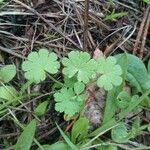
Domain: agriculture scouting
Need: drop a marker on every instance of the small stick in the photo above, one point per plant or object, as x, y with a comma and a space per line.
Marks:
69, 126
46, 21
86, 17
9, 51
140, 32
144, 36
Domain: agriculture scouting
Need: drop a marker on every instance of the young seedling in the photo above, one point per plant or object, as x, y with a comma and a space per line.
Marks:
79, 66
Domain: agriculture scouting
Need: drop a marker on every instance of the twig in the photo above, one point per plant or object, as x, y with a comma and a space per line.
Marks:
126, 39
144, 36
140, 32
46, 21
86, 17
9, 51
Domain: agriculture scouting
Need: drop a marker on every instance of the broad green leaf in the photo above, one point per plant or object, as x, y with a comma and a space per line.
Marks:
7, 73
41, 108
133, 82
8, 93
56, 146
137, 74
110, 107
80, 130
79, 87
38, 63
26, 138
68, 102
1, 1
147, 1
148, 128
110, 73
123, 99
119, 134
72, 146
80, 64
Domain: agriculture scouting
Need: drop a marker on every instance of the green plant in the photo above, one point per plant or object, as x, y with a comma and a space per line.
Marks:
41, 108
7, 73
109, 77
78, 65
70, 100
78, 71
147, 1
26, 138
81, 65
114, 16
1, 1
38, 64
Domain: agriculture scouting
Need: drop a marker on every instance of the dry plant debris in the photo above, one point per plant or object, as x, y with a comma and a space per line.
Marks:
99, 27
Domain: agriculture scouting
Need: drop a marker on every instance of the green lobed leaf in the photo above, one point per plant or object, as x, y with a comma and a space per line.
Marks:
7, 73
8, 93
68, 102
80, 64
38, 63
80, 129
111, 73
26, 138
41, 108
79, 87
119, 134
111, 107
69, 82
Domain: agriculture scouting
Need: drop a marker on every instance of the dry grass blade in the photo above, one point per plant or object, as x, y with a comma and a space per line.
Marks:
136, 46
86, 18
46, 21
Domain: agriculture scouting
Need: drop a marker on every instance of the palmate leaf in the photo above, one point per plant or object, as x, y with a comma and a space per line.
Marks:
79, 63
68, 102
38, 63
110, 73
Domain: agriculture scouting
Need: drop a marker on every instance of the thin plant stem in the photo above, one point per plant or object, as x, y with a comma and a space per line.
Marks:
53, 79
